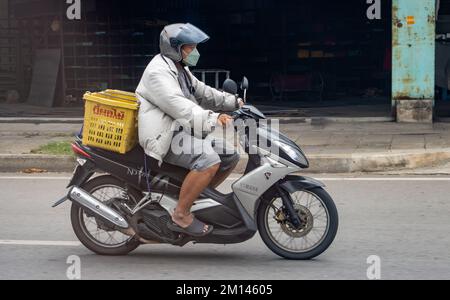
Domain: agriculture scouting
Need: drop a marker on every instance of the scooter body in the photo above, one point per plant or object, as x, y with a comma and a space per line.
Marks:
150, 191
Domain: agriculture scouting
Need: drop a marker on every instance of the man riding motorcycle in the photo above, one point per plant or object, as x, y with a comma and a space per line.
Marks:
168, 92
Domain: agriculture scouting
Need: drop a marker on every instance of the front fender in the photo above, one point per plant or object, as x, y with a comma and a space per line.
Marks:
292, 184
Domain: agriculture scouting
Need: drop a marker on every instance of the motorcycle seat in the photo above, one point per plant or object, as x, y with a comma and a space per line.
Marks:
135, 158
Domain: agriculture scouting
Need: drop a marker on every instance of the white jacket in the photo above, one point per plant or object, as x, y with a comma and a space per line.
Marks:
162, 102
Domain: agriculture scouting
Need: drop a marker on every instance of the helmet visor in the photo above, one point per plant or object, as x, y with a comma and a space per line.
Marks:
189, 34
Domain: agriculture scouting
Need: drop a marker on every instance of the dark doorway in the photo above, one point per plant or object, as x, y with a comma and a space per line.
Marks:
319, 57
443, 60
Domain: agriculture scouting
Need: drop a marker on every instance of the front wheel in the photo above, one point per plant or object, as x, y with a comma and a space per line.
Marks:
319, 217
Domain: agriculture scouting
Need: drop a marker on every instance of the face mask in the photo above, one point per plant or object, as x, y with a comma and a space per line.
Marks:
192, 59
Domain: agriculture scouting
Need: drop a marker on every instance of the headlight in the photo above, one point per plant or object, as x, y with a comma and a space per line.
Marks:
293, 153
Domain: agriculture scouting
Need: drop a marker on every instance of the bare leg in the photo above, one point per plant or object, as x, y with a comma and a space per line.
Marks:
221, 176
194, 184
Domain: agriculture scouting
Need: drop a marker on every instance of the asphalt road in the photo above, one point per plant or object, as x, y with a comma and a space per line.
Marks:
404, 221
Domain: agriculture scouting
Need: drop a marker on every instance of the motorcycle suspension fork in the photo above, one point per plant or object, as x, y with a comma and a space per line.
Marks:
289, 207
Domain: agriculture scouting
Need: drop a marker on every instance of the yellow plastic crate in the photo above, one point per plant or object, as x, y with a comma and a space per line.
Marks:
121, 94
110, 120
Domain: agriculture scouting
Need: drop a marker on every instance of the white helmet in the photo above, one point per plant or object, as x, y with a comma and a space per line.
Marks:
174, 36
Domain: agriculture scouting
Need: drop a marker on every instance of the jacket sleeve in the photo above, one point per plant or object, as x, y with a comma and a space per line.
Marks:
213, 99
162, 90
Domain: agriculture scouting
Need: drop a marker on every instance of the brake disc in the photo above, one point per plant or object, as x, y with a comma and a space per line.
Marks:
306, 218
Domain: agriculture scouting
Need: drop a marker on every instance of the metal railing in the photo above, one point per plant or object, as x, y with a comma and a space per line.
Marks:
205, 75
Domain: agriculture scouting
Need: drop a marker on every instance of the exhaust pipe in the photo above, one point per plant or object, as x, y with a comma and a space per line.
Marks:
87, 201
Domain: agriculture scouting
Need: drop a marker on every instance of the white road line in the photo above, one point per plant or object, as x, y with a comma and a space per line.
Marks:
386, 179
39, 243
374, 179
318, 178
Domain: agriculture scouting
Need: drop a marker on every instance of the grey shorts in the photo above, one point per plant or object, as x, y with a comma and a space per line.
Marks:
196, 154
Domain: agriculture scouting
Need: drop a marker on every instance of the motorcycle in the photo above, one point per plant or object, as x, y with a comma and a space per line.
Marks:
120, 202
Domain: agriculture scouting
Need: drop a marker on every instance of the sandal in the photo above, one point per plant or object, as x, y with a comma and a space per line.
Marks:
196, 229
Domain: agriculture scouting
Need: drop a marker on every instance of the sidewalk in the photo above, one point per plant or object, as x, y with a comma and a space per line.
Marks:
371, 147
331, 147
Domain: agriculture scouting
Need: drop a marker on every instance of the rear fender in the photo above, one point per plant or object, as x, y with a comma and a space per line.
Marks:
83, 173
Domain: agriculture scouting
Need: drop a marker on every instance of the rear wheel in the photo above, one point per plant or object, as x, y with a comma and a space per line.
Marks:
319, 217
96, 234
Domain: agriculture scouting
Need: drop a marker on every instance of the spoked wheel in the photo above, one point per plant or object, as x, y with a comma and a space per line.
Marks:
96, 234
319, 224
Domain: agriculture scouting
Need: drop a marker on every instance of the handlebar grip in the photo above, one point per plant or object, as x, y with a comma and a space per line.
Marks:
235, 116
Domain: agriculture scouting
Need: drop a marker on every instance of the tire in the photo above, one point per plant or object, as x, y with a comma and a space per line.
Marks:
327, 240
78, 227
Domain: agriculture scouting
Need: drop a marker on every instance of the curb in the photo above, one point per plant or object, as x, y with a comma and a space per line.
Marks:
323, 120
377, 162
329, 163
370, 162
42, 120
52, 163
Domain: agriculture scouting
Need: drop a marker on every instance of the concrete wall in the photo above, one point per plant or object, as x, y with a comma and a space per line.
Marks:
413, 59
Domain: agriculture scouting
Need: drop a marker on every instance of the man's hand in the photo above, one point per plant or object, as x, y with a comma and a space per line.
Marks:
241, 102
224, 120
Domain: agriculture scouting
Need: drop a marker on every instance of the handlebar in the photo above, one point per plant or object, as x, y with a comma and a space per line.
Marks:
234, 115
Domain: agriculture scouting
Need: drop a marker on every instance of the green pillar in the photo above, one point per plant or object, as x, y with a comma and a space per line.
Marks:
413, 59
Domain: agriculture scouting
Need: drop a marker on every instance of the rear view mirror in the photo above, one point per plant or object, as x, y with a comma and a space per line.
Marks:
244, 84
